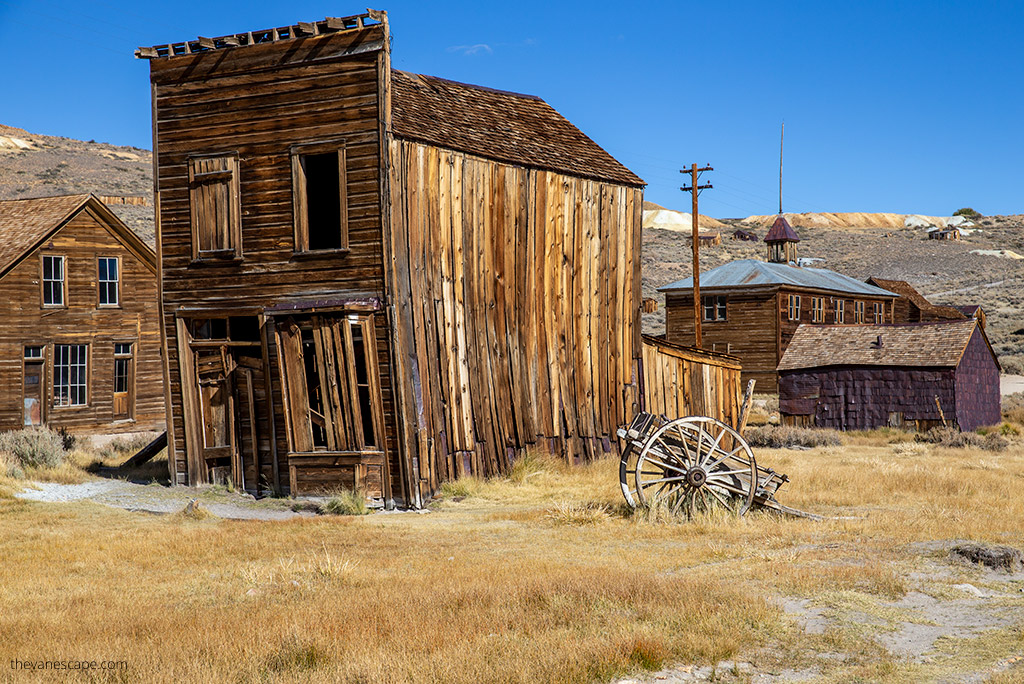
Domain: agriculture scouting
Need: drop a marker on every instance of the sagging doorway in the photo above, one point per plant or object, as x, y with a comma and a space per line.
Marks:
225, 389
331, 386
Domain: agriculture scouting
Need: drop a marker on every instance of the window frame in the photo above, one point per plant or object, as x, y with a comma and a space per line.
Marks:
85, 384
840, 314
233, 251
717, 305
817, 309
858, 311
100, 283
879, 311
63, 281
793, 306
300, 214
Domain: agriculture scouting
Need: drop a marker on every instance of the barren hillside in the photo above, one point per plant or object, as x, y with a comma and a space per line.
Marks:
944, 271
39, 165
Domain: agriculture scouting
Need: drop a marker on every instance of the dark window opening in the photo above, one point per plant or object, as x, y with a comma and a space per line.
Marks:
318, 423
209, 328
53, 280
244, 328
323, 200
33, 352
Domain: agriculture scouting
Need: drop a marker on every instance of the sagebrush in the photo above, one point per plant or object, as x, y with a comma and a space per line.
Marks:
34, 447
785, 436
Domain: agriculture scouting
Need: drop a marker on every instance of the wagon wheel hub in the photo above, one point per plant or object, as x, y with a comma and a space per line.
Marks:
696, 477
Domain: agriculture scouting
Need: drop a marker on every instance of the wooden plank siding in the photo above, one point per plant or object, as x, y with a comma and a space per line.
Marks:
757, 328
517, 303
257, 103
82, 239
681, 381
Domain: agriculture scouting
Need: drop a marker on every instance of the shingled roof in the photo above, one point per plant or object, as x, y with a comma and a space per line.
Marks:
499, 125
746, 273
927, 345
27, 223
781, 231
905, 289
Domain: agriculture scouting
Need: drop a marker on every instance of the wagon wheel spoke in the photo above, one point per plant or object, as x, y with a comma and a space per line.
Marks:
666, 480
711, 452
664, 456
719, 497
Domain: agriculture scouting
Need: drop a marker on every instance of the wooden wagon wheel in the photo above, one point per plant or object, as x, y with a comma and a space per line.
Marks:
696, 464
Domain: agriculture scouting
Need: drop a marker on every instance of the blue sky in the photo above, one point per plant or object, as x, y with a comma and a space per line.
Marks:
889, 106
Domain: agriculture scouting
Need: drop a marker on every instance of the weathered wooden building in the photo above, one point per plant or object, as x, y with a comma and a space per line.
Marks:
750, 308
912, 307
378, 279
915, 376
80, 343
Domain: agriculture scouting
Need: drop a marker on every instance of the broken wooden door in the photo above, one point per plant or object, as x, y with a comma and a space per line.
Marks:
33, 392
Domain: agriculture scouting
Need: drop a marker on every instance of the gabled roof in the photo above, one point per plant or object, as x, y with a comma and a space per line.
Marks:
905, 289
928, 345
25, 224
745, 273
499, 125
781, 231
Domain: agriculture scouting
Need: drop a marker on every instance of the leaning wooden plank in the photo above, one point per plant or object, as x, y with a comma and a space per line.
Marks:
147, 452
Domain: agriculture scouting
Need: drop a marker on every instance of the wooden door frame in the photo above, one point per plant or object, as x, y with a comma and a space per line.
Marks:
44, 362
134, 343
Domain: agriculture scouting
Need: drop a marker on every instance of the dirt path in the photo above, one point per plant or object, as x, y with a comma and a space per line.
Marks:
155, 498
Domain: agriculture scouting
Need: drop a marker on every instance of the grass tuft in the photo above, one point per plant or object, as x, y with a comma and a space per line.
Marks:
35, 447
785, 436
346, 502
577, 514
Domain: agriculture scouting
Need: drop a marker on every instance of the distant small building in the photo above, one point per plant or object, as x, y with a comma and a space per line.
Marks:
709, 239
912, 307
944, 234
864, 377
751, 308
745, 235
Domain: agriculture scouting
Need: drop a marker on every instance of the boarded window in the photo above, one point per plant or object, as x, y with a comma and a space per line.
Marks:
858, 312
109, 270
332, 385
70, 374
794, 307
320, 197
818, 309
840, 310
53, 280
214, 201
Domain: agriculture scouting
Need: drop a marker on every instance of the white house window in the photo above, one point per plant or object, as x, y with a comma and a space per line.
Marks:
53, 280
818, 309
109, 279
794, 307
70, 373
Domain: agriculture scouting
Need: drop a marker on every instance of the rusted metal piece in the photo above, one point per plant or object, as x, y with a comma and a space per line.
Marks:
695, 464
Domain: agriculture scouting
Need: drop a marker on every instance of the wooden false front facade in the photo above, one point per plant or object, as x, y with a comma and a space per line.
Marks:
80, 344
375, 280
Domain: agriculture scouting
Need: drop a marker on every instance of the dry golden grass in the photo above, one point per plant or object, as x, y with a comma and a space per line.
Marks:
541, 576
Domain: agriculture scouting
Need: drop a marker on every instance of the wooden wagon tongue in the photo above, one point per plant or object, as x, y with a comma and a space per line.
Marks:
695, 465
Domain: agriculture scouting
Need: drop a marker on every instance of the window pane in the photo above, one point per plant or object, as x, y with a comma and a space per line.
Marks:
70, 373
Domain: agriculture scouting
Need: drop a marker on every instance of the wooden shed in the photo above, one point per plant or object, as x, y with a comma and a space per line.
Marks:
916, 376
378, 279
80, 343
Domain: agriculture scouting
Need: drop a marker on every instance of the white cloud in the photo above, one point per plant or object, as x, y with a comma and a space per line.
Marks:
478, 49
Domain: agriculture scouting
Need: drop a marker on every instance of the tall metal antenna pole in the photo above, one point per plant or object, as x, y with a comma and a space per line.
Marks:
781, 138
695, 189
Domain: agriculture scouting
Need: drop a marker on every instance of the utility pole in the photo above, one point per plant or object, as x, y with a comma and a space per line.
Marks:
695, 189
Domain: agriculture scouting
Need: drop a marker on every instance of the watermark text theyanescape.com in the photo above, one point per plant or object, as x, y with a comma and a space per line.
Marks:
67, 665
